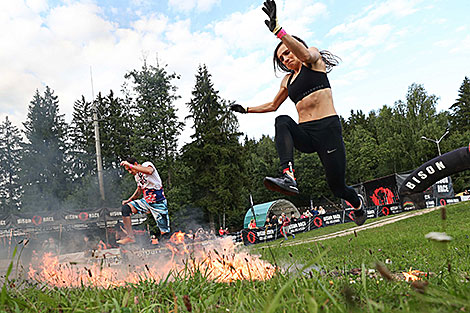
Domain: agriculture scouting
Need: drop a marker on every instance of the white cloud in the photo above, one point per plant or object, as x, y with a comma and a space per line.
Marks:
189, 5
37, 6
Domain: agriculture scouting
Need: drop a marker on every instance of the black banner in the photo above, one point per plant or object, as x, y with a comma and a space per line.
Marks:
19, 224
5, 221
443, 188
381, 191
446, 201
259, 235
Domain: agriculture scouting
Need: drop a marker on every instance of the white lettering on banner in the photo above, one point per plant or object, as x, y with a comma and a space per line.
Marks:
115, 213
23, 220
421, 174
71, 217
395, 209
410, 185
48, 219
445, 180
442, 188
331, 217
440, 165
93, 215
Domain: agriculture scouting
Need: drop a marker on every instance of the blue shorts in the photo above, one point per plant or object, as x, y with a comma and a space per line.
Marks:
159, 211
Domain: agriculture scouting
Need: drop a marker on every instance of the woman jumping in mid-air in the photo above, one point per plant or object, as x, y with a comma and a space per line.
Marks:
319, 128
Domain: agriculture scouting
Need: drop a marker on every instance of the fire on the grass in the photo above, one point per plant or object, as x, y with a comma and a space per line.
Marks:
218, 260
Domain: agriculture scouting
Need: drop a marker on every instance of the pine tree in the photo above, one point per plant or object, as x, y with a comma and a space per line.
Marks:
215, 155
460, 116
10, 156
156, 131
44, 169
115, 133
115, 129
82, 138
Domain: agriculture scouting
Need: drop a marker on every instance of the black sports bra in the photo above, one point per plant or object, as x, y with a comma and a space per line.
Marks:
306, 82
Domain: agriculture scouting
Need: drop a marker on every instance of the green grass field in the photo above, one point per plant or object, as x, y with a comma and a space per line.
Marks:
335, 275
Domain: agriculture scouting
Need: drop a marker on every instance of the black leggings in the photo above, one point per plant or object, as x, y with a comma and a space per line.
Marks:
323, 136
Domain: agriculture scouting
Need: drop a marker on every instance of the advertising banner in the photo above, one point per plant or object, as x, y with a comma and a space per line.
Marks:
5, 221
258, 235
386, 210
381, 191
446, 201
443, 188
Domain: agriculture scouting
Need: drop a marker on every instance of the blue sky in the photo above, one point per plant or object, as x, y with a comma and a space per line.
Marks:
385, 47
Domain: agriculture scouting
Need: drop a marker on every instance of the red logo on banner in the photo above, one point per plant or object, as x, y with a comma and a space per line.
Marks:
385, 211
443, 202
37, 220
83, 216
351, 215
382, 196
318, 222
251, 237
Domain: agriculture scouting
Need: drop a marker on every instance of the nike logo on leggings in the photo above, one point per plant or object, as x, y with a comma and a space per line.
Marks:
330, 151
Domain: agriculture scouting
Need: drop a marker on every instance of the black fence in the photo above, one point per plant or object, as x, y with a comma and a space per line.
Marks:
260, 235
21, 224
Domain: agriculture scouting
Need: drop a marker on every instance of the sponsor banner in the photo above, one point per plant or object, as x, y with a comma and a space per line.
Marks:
382, 191
25, 220
299, 226
443, 188
332, 218
430, 203
348, 216
112, 214
464, 198
5, 221
258, 235
446, 201
386, 210
82, 216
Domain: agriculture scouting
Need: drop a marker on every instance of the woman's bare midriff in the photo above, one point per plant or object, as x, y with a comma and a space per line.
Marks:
316, 105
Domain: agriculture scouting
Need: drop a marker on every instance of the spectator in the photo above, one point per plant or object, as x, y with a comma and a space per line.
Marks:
314, 211
267, 223
221, 231
321, 210
308, 214
252, 224
273, 220
292, 217
285, 226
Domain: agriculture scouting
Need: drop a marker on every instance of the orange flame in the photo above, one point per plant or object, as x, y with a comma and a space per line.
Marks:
219, 261
413, 275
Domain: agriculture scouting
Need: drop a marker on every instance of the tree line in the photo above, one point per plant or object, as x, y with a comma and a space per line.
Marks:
51, 164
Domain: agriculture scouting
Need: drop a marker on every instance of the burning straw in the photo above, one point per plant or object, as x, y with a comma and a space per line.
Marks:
218, 261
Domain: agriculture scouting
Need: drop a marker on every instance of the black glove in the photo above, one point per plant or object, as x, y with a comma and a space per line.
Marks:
270, 9
238, 108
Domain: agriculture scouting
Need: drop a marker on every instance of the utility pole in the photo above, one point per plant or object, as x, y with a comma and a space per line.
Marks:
96, 125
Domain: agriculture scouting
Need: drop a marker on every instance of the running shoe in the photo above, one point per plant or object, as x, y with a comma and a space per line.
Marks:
284, 184
360, 215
